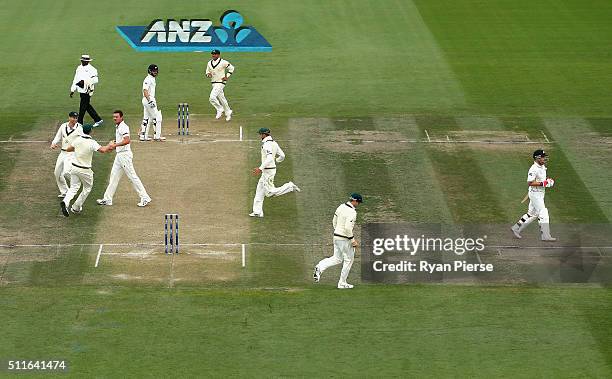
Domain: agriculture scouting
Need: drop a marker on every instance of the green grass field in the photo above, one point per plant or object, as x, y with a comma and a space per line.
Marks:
339, 71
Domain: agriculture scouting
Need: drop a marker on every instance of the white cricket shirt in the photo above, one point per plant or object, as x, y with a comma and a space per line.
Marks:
344, 221
536, 172
269, 152
84, 147
121, 131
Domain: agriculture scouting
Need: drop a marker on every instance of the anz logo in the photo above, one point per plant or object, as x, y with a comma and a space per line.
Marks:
196, 35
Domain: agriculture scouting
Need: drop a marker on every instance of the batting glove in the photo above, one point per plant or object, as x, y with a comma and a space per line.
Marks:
152, 104
548, 183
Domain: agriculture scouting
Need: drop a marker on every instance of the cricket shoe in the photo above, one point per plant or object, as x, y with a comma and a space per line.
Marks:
145, 138
253, 214
64, 209
160, 139
219, 114
61, 195
296, 188
144, 202
515, 231
104, 202
97, 124
549, 239
316, 275
344, 286
228, 115
76, 211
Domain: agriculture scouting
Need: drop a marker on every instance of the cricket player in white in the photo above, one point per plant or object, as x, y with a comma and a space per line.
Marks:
537, 182
151, 112
66, 133
83, 147
219, 70
271, 154
123, 164
344, 241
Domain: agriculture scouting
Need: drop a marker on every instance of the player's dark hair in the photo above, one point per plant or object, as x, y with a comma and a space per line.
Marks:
119, 112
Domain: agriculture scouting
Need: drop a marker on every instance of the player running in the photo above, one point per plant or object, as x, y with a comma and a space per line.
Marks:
219, 70
151, 112
271, 154
344, 241
66, 133
537, 182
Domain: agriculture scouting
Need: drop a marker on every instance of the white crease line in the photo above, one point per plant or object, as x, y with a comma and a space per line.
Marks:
137, 244
448, 140
23, 141
427, 134
545, 137
243, 255
99, 254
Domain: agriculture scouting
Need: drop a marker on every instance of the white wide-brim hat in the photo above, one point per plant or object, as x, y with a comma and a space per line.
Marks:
86, 58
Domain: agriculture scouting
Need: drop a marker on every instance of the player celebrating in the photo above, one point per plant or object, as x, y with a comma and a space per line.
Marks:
123, 164
537, 182
265, 187
66, 133
219, 70
85, 78
83, 147
344, 241
152, 114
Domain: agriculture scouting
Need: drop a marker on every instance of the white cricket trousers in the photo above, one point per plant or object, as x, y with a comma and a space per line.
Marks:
537, 207
123, 164
79, 176
265, 188
217, 98
63, 164
343, 253
151, 116
537, 210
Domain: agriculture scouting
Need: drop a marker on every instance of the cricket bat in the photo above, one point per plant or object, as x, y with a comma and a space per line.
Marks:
525, 198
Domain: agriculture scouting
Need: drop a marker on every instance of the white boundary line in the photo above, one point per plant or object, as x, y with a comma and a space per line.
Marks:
99, 255
427, 134
545, 137
243, 255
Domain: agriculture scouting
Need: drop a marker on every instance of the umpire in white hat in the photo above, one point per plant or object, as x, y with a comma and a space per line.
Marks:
85, 79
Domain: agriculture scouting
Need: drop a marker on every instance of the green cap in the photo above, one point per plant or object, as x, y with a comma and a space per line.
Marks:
87, 128
263, 131
357, 197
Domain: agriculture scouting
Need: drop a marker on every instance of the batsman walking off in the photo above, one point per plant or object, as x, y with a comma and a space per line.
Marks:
537, 182
123, 164
219, 70
66, 133
271, 154
344, 241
